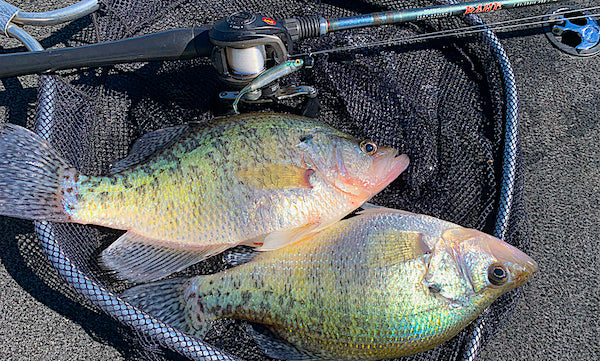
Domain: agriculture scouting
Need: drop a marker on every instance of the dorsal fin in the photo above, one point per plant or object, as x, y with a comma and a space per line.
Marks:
460, 234
148, 144
240, 255
370, 209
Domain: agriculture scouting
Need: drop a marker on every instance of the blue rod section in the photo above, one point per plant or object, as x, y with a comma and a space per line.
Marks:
440, 11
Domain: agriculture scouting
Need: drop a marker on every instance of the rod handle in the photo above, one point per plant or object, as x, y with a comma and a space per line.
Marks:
176, 44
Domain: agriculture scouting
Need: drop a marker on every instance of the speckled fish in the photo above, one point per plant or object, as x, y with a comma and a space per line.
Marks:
379, 285
187, 193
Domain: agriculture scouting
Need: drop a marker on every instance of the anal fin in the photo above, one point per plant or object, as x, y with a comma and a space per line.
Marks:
275, 347
139, 259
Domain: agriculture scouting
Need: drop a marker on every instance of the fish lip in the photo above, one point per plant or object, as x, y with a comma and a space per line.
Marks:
392, 165
532, 266
529, 268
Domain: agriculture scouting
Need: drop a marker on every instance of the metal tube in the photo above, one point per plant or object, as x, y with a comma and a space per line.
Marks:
30, 43
441, 11
58, 16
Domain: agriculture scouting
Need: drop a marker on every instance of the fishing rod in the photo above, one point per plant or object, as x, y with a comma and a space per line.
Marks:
589, 36
241, 47
238, 40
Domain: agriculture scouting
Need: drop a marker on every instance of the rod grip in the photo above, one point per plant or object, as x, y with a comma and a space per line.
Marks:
176, 44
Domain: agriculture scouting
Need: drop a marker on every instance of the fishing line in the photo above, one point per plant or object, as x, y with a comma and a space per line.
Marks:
468, 30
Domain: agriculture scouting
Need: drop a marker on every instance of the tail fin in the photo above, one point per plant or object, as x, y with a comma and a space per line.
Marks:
30, 175
163, 300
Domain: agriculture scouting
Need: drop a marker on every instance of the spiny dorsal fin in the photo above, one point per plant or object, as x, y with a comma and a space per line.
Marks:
147, 145
275, 176
240, 255
139, 259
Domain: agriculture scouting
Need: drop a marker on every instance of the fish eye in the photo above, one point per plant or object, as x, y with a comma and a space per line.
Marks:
368, 147
298, 62
497, 274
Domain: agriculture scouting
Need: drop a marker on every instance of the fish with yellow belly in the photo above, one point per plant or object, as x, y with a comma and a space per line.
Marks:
383, 284
187, 193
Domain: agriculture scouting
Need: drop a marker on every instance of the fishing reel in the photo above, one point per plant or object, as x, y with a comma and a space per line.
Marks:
246, 45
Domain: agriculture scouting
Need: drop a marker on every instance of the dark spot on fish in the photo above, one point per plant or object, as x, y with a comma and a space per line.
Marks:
201, 309
306, 138
434, 289
424, 247
290, 303
69, 190
246, 296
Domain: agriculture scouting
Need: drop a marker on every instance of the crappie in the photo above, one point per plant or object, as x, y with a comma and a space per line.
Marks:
263, 180
379, 285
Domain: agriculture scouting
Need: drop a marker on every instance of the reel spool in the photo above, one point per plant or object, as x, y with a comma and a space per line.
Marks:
245, 45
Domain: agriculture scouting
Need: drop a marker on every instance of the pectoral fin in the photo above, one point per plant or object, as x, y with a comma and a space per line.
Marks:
139, 259
395, 247
275, 176
282, 238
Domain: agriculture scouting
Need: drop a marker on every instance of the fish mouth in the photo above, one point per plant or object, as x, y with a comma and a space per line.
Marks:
390, 167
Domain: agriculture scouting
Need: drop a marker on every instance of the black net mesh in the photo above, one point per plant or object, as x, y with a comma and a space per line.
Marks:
445, 103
